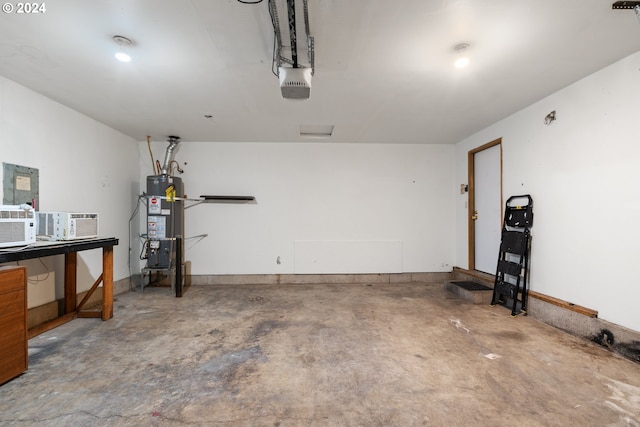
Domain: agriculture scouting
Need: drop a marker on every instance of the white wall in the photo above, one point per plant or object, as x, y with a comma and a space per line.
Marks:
321, 207
329, 208
583, 172
84, 166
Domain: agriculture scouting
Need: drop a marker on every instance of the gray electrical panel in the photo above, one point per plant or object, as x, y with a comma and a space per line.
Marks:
165, 219
20, 184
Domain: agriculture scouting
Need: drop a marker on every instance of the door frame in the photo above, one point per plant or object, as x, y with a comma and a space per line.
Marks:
472, 201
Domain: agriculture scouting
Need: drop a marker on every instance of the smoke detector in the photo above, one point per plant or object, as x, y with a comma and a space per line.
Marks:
295, 83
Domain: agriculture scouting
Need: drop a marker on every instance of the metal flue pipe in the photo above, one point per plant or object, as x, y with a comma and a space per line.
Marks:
168, 156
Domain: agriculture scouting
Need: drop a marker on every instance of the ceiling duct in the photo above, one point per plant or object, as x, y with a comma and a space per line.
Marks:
293, 63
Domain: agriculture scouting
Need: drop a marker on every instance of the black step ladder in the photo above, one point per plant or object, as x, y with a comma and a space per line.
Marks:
512, 273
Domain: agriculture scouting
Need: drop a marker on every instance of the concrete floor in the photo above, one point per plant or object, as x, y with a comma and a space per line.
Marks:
317, 355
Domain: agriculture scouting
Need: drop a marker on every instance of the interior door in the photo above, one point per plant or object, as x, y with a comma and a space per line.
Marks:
485, 206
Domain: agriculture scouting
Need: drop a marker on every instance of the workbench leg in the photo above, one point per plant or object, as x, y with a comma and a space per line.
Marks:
107, 283
70, 290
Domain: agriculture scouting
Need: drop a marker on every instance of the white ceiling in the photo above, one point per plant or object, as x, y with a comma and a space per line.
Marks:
383, 69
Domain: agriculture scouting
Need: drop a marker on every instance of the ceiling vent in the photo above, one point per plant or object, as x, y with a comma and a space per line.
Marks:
295, 83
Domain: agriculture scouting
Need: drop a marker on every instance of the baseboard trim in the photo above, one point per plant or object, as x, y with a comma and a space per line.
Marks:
301, 279
564, 304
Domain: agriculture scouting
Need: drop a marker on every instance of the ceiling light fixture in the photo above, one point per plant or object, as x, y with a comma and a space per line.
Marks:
121, 55
462, 60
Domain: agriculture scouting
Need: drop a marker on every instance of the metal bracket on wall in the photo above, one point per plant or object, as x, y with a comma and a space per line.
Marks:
221, 199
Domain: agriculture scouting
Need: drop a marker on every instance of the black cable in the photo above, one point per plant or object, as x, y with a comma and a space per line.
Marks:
143, 249
249, 2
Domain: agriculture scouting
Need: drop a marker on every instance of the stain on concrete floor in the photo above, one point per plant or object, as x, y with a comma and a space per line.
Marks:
317, 355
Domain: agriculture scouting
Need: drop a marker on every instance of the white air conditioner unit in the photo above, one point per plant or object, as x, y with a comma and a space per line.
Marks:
67, 225
295, 83
17, 226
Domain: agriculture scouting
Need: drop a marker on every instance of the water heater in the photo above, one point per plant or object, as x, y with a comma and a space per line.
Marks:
165, 219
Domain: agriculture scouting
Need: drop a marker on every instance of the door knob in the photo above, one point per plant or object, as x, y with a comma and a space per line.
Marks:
475, 215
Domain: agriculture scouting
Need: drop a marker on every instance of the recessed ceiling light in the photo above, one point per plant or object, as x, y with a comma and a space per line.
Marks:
122, 57
123, 42
462, 59
461, 62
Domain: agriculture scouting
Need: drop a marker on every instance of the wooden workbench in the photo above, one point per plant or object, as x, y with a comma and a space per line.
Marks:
70, 249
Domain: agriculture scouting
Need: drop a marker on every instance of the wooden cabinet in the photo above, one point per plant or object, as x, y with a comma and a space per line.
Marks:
14, 354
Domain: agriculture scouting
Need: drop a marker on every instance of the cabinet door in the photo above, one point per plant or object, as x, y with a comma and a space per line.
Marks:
13, 322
